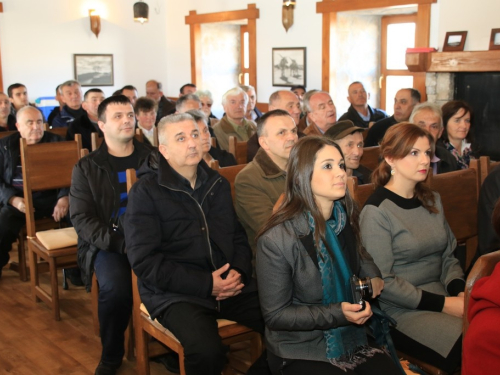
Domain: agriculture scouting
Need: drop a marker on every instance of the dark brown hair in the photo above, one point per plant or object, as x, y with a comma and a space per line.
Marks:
396, 144
299, 197
450, 109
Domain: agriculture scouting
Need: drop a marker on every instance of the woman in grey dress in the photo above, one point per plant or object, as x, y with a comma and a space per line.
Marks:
404, 229
306, 253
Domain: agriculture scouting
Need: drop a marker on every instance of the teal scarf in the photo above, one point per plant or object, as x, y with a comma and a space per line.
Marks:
342, 343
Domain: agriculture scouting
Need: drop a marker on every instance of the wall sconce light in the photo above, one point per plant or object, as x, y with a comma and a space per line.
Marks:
287, 15
141, 12
95, 22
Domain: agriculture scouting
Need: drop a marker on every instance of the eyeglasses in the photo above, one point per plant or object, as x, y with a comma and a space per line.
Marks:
209, 105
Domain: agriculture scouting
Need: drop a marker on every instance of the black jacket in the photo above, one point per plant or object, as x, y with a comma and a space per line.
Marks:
447, 162
488, 240
9, 156
377, 131
353, 115
226, 159
82, 125
94, 197
174, 243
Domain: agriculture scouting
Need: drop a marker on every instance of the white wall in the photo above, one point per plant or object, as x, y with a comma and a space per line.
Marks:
476, 17
38, 40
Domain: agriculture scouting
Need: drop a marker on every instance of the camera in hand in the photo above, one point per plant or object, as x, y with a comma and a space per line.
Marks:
361, 290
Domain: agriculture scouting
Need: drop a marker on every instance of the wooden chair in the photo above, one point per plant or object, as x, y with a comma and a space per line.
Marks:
48, 166
230, 174
371, 157
484, 266
359, 193
459, 191
485, 166
213, 141
238, 149
59, 131
139, 135
95, 141
7, 133
144, 327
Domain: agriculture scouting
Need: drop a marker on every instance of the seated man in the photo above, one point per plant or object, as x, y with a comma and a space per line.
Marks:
234, 123
187, 102
350, 140
13, 210
71, 94
188, 88
404, 102
86, 124
321, 111
53, 114
429, 116
188, 249
130, 92
165, 105
359, 112
18, 96
282, 99
259, 185
145, 113
253, 113
98, 199
7, 119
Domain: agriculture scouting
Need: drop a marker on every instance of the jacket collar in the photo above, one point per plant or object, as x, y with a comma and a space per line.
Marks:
268, 166
226, 126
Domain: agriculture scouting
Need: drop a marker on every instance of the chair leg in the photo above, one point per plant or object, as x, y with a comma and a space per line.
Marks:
55, 289
23, 271
141, 348
181, 362
129, 341
35, 283
94, 298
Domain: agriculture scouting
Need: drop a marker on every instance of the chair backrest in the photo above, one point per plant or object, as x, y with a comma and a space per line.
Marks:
484, 266
131, 175
95, 141
459, 191
214, 164
139, 135
7, 133
359, 193
84, 152
46, 166
238, 149
213, 141
365, 133
59, 131
485, 166
371, 157
230, 174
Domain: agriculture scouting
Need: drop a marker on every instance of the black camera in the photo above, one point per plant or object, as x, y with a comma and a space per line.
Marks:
361, 289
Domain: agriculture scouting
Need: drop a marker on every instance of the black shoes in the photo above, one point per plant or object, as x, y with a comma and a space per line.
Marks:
106, 368
74, 275
170, 361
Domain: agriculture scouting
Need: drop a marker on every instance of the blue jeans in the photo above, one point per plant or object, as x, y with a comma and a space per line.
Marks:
115, 303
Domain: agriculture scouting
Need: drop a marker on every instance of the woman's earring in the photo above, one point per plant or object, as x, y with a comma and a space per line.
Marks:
393, 172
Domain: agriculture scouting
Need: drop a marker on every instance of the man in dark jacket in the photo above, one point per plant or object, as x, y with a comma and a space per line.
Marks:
98, 199
187, 247
13, 210
360, 113
429, 116
71, 94
165, 105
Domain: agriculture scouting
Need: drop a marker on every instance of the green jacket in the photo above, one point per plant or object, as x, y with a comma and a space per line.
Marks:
223, 130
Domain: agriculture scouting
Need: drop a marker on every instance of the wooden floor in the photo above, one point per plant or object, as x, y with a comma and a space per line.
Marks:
33, 343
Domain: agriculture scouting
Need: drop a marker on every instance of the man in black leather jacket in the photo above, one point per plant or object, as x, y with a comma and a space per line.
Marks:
98, 199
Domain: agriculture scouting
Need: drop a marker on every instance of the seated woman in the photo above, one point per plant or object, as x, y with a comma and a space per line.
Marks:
404, 229
210, 153
306, 253
145, 112
206, 105
457, 137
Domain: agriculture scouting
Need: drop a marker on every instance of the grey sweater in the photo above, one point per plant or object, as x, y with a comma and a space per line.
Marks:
414, 251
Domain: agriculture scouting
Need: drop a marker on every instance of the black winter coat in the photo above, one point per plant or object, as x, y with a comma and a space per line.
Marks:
175, 243
94, 197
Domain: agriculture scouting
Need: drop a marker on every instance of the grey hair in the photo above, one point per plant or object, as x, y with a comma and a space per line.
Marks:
172, 119
183, 99
247, 87
198, 115
233, 92
306, 101
204, 94
69, 83
427, 106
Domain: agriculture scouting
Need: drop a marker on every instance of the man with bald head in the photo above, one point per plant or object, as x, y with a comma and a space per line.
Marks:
322, 113
359, 112
284, 100
47, 203
165, 106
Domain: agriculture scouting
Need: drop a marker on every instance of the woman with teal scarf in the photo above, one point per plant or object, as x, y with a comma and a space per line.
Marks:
306, 253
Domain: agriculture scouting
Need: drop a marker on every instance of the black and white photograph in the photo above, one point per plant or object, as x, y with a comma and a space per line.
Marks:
94, 70
289, 66
454, 41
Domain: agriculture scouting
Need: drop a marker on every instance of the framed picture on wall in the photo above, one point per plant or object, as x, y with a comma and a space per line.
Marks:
289, 66
495, 39
94, 70
454, 41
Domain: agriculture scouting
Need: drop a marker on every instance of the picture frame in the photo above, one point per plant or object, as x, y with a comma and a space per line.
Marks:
289, 66
495, 39
454, 41
94, 69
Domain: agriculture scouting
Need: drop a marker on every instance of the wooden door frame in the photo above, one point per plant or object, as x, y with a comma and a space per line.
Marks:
195, 20
329, 10
1, 73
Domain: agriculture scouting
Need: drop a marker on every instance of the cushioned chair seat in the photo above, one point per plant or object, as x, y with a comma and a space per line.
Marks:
58, 238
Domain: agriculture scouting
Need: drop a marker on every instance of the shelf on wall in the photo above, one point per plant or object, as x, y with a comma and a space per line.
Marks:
451, 62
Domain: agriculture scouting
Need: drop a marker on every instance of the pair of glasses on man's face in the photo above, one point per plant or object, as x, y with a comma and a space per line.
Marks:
209, 105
